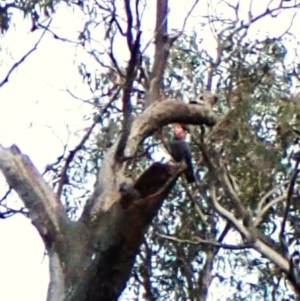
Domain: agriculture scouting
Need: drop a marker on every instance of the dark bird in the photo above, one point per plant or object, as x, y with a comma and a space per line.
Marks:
180, 151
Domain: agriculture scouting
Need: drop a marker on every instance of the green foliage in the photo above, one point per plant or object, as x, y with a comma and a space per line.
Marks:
252, 143
251, 140
32, 9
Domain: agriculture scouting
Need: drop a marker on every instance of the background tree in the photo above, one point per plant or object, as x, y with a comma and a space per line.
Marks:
240, 216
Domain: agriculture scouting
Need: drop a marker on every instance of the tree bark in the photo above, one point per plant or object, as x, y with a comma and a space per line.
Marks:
91, 259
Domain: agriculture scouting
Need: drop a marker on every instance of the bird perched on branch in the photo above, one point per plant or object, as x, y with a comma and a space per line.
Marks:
180, 151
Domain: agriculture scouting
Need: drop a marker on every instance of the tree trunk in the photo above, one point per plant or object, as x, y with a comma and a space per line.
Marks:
91, 259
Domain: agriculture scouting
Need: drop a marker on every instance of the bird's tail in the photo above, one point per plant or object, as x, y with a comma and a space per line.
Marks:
189, 175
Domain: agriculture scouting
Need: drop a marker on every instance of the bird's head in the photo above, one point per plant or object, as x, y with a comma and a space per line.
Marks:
178, 130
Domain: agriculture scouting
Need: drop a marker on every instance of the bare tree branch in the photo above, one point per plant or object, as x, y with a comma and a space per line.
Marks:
166, 112
269, 193
129, 34
200, 241
45, 210
63, 175
152, 119
23, 58
188, 15
262, 212
257, 244
161, 52
288, 204
134, 47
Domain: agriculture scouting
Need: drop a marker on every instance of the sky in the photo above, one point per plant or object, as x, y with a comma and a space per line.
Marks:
39, 116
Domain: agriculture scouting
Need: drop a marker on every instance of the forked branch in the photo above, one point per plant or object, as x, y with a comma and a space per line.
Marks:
45, 210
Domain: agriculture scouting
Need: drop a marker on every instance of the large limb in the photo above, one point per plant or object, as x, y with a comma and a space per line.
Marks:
119, 224
162, 45
109, 242
67, 242
152, 119
45, 210
257, 243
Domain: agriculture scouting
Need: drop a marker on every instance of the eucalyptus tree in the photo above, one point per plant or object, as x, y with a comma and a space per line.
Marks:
143, 224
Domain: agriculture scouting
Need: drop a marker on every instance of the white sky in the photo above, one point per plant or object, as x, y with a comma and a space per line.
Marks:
35, 112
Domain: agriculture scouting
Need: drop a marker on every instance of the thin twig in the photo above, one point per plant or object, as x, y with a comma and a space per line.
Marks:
269, 193
200, 241
266, 208
15, 65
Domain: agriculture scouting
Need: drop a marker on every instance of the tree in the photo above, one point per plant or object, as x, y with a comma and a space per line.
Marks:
241, 185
